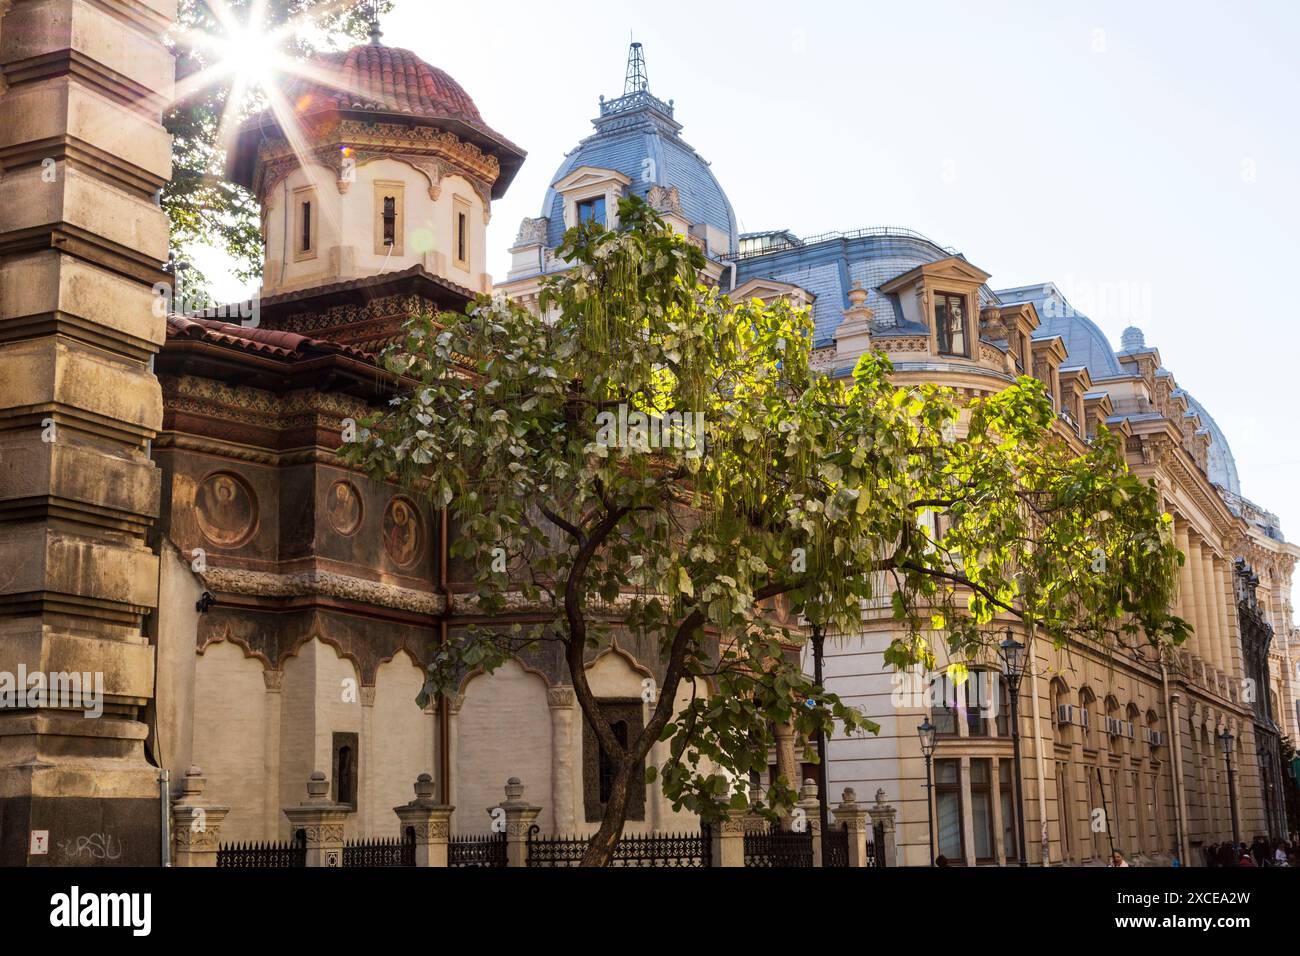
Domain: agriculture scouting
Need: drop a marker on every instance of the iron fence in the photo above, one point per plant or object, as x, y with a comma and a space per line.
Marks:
393, 852
777, 848
835, 849
672, 850
267, 856
477, 850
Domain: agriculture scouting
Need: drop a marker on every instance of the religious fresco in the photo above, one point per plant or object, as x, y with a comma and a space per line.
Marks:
226, 510
343, 507
402, 538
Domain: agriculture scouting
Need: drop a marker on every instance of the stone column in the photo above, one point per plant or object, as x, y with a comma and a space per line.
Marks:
322, 821
728, 837
430, 821
853, 817
811, 807
1205, 642
1186, 587
196, 826
883, 813
565, 752
1231, 626
274, 681
520, 816
366, 771
81, 247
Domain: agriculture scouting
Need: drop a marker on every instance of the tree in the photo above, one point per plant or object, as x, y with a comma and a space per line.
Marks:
652, 455
202, 206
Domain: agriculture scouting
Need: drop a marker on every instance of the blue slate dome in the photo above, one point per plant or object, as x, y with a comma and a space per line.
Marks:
637, 136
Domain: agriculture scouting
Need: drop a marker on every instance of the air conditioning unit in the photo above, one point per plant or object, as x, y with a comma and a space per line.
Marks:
1066, 714
1114, 726
1087, 718
1155, 738
1128, 729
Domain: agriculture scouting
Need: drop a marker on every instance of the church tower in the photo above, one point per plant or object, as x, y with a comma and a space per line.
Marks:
379, 165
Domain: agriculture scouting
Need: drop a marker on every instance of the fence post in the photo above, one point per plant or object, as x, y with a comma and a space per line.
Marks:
321, 820
883, 814
196, 827
728, 838
853, 817
519, 817
811, 807
429, 820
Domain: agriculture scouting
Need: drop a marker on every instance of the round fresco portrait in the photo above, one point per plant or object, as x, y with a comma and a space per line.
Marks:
343, 507
225, 509
402, 539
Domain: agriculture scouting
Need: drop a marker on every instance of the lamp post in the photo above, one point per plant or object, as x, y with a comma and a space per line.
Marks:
1013, 669
823, 798
1226, 741
927, 734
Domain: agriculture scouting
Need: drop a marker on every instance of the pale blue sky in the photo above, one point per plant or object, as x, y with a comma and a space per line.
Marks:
1143, 156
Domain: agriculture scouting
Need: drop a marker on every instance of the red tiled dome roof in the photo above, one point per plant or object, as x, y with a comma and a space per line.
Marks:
387, 79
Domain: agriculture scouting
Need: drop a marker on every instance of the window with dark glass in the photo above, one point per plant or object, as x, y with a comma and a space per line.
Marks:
608, 766
950, 840
462, 237
345, 764
950, 323
592, 210
625, 719
306, 227
981, 806
390, 220
1007, 802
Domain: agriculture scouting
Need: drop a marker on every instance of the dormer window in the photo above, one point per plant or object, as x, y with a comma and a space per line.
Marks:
592, 210
950, 323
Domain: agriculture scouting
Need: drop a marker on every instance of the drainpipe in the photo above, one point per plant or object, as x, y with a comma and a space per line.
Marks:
1180, 808
165, 814
1038, 750
444, 703
732, 266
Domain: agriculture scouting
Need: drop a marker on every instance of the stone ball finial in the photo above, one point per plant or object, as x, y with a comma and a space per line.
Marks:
424, 787
514, 789
857, 295
1132, 338
317, 787
880, 796
193, 783
809, 789
850, 796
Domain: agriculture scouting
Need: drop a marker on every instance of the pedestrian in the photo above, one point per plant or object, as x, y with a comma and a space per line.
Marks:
1259, 849
1117, 859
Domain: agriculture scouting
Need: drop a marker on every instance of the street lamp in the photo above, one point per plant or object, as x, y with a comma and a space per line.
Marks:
927, 732
1013, 669
1226, 741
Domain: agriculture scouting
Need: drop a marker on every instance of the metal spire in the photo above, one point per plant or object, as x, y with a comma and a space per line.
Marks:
636, 80
375, 32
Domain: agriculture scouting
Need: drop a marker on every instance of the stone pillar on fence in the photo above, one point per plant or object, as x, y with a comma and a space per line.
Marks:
812, 818
196, 825
519, 817
884, 815
852, 816
321, 820
430, 822
728, 836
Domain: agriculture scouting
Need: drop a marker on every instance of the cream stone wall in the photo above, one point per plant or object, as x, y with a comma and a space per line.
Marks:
503, 730
398, 745
345, 244
230, 714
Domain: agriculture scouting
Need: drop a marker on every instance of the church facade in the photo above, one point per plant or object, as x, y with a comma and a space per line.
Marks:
263, 612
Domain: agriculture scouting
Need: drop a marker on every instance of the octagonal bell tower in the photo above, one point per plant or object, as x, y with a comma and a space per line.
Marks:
378, 164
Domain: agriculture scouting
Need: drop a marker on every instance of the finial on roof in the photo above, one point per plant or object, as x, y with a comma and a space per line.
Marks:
636, 80
1132, 338
375, 32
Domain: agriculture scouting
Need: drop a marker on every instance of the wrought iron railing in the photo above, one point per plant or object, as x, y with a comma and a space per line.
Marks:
269, 856
835, 849
393, 852
477, 850
777, 848
671, 850
876, 848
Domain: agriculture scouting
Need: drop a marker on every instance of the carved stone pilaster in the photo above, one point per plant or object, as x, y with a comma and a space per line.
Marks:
321, 822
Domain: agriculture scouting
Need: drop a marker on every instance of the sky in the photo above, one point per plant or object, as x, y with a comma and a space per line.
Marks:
1145, 157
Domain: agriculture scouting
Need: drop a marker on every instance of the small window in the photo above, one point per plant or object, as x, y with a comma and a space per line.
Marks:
390, 221
950, 323
1006, 797
460, 233
592, 210
981, 802
345, 764
305, 238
